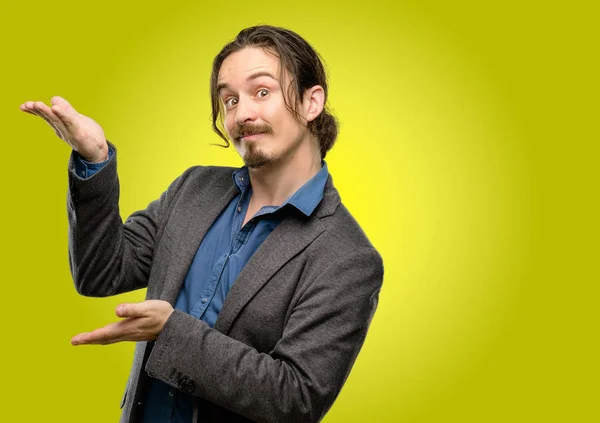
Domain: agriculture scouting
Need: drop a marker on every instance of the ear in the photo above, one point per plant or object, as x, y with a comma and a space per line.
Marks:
313, 102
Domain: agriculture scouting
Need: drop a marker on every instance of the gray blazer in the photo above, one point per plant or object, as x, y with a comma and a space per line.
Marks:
291, 326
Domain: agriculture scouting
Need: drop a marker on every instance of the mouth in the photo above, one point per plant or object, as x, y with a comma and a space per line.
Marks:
251, 137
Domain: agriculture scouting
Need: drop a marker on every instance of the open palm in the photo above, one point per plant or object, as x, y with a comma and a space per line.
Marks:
82, 133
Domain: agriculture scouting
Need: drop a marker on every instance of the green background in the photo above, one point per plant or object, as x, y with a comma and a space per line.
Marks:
467, 153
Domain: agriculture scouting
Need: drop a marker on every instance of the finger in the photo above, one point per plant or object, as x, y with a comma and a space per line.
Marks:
105, 335
29, 107
36, 108
48, 121
26, 107
77, 339
109, 334
29, 111
50, 116
99, 338
132, 310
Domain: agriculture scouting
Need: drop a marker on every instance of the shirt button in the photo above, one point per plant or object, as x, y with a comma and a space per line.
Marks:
171, 393
239, 209
204, 300
242, 178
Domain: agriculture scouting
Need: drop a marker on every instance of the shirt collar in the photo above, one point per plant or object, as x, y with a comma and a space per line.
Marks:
306, 198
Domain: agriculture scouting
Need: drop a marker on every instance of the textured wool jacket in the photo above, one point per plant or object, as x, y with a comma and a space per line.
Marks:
291, 326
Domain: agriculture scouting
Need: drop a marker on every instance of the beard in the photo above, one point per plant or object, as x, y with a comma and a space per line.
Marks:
254, 158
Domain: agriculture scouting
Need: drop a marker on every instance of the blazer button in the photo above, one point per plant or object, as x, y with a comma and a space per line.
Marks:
182, 382
186, 385
190, 387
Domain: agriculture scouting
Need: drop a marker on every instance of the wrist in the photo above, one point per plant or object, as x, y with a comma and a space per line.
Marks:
100, 157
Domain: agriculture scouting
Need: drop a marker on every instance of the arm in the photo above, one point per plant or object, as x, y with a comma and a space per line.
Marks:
297, 381
107, 256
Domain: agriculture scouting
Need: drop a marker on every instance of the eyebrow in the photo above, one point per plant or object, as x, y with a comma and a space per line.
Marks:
256, 75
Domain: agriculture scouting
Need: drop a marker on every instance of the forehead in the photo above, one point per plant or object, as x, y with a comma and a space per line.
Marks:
247, 61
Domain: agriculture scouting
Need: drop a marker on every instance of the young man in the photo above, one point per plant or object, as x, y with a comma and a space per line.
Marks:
260, 284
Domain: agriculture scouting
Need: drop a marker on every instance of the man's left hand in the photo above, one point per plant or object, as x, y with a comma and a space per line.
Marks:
141, 322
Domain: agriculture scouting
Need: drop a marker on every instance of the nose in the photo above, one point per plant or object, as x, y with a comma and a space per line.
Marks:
245, 111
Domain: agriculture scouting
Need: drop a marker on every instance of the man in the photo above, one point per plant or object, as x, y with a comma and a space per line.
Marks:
260, 284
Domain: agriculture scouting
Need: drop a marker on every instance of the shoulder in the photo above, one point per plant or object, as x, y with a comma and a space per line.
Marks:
217, 174
202, 177
342, 258
343, 249
343, 236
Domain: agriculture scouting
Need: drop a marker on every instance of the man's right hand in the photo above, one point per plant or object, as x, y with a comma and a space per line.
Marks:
83, 134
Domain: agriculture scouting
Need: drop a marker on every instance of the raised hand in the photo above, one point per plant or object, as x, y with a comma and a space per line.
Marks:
82, 133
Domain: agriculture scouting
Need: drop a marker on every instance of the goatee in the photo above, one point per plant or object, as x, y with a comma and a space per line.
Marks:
254, 158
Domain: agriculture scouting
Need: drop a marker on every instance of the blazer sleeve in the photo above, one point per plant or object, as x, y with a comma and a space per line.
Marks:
106, 256
299, 380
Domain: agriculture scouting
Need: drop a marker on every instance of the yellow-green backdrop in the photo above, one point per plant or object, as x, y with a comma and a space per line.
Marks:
466, 152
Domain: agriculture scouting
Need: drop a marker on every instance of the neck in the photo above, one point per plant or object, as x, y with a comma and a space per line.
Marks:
275, 182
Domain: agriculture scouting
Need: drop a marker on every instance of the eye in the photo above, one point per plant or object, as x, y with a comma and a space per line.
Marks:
230, 102
263, 92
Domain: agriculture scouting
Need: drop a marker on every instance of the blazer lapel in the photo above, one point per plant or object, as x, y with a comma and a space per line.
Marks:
290, 237
194, 217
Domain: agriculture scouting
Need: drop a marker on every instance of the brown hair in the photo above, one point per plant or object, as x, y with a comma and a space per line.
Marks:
299, 59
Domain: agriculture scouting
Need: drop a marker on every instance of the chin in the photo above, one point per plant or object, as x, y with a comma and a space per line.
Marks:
255, 158
256, 161
256, 165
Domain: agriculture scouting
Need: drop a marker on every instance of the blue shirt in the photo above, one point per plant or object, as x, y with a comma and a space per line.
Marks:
222, 254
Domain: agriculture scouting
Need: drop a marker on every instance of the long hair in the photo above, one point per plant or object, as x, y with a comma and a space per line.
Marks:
304, 66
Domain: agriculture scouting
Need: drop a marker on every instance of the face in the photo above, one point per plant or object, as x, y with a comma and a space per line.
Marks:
256, 119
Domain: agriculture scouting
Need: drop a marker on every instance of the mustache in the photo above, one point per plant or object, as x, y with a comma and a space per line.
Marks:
250, 129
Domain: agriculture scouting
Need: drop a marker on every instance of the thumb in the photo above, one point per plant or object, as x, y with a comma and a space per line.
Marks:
131, 310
